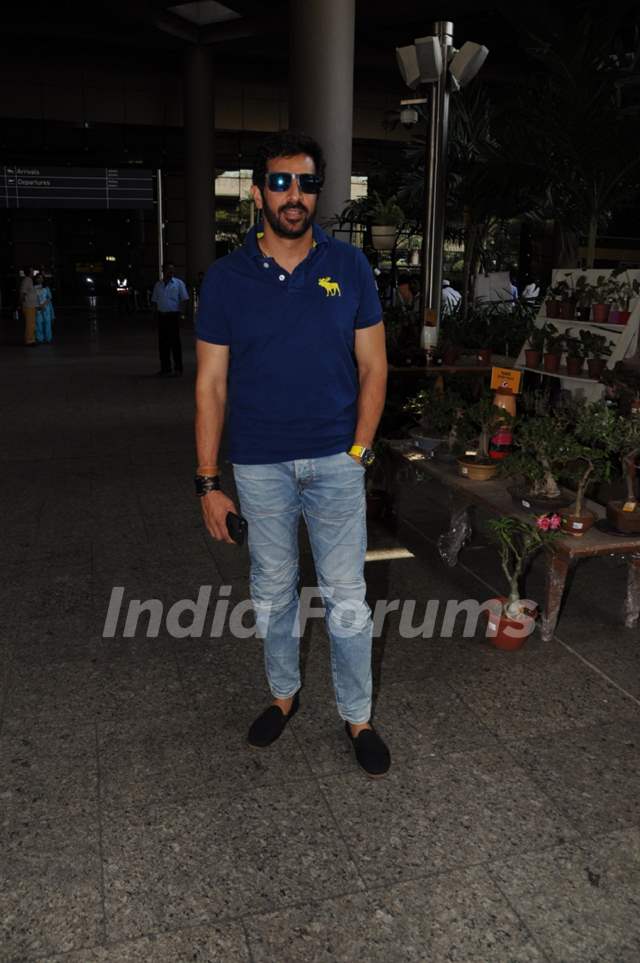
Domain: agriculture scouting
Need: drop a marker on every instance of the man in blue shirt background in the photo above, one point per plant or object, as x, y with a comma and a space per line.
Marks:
291, 341
168, 296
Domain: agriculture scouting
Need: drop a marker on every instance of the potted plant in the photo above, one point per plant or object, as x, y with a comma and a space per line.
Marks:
385, 218
584, 296
518, 541
576, 354
475, 332
533, 354
564, 295
438, 417
597, 349
481, 421
624, 515
603, 294
553, 348
626, 289
544, 445
594, 429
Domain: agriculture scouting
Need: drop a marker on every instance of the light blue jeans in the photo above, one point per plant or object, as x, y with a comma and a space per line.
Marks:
329, 492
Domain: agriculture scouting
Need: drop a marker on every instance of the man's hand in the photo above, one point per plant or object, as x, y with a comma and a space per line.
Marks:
215, 508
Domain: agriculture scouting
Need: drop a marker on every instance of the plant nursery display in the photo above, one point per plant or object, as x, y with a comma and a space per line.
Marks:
482, 420
624, 516
518, 541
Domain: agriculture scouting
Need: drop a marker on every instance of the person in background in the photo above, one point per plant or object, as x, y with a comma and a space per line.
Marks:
28, 305
169, 296
45, 314
450, 297
531, 291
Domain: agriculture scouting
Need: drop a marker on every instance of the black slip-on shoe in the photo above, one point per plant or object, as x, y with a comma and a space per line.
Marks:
371, 752
270, 725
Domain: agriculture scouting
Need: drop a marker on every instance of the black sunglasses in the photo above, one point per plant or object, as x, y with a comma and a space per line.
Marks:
281, 181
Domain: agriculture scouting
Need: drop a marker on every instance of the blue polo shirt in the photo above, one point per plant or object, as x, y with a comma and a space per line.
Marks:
169, 295
293, 380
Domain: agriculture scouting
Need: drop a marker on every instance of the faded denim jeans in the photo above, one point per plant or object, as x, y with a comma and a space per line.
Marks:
329, 493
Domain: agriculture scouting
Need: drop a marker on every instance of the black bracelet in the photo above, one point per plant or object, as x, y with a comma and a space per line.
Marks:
206, 483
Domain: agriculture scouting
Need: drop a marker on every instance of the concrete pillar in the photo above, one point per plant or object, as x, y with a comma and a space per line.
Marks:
199, 169
321, 88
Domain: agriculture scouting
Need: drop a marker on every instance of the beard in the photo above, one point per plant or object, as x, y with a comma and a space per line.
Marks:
279, 224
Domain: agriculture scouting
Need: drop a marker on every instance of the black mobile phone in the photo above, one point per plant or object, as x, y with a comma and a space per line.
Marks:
237, 527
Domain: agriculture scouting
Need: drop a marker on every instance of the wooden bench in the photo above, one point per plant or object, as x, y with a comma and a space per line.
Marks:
493, 497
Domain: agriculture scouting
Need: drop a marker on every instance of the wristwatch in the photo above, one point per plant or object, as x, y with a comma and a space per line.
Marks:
366, 455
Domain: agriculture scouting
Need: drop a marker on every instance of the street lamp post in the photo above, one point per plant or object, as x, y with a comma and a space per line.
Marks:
434, 62
436, 168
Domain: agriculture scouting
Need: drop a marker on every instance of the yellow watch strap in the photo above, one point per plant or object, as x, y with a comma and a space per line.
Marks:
356, 450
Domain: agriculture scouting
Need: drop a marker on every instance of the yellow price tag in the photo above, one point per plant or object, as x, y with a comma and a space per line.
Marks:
629, 506
506, 379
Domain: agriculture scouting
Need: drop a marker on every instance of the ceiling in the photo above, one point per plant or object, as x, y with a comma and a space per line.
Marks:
240, 32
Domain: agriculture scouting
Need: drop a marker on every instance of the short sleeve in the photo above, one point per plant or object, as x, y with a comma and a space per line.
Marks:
212, 323
369, 307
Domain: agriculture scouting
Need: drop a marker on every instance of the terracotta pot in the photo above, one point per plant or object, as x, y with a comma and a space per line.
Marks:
583, 313
619, 317
566, 310
483, 356
476, 471
551, 308
551, 362
532, 358
505, 633
596, 366
577, 524
627, 522
574, 366
601, 313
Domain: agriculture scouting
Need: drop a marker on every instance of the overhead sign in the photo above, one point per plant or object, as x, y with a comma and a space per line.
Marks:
97, 188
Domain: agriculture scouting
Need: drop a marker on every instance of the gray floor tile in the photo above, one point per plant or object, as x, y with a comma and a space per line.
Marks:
83, 691
459, 916
531, 696
48, 772
581, 901
442, 814
50, 895
590, 774
199, 944
201, 860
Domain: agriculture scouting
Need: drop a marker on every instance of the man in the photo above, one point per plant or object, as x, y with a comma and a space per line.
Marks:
450, 298
292, 322
29, 304
169, 295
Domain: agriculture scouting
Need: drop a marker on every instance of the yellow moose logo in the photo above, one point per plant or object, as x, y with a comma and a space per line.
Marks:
331, 287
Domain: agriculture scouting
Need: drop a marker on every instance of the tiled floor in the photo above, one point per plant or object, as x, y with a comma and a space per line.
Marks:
136, 824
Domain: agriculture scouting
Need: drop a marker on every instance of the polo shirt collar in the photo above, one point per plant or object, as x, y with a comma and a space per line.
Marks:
255, 233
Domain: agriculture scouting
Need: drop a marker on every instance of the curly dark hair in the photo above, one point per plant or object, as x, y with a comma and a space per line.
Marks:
287, 143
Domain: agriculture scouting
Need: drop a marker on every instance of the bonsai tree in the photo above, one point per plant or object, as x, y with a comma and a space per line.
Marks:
544, 446
626, 444
595, 429
481, 421
438, 415
518, 541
